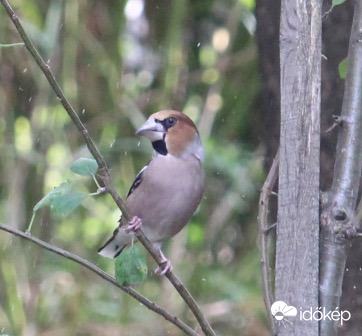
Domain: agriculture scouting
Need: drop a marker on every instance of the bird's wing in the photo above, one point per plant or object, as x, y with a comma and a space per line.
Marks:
114, 246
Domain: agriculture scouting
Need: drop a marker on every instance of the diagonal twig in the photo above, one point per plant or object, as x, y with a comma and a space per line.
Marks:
104, 171
68, 255
264, 239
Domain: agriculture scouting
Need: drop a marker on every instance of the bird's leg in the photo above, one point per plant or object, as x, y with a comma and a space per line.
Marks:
165, 266
134, 224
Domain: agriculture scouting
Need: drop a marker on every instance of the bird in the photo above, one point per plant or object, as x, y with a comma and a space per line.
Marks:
166, 192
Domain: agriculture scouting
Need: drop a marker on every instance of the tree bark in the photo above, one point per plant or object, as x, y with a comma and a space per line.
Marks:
297, 248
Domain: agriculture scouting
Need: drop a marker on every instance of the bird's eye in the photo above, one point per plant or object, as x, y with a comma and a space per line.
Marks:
171, 121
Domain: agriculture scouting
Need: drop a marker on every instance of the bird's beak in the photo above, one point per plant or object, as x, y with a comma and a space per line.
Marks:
152, 130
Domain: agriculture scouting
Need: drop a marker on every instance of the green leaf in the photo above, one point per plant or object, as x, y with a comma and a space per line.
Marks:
64, 204
337, 2
48, 198
84, 167
130, 267
342, 68
61, 199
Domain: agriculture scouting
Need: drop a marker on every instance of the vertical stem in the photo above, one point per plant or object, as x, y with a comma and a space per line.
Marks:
338, 216
264, 239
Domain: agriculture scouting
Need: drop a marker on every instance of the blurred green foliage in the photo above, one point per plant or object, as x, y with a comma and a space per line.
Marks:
118, 62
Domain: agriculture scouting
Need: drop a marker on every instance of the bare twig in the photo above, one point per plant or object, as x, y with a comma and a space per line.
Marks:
338, 219
338, 121
68, 255
9, 45
264, 239
104, 171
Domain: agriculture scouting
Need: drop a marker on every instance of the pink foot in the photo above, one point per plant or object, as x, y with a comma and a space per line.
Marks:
165, 267
134, 224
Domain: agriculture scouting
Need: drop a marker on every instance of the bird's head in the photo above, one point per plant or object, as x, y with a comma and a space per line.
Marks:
172, 133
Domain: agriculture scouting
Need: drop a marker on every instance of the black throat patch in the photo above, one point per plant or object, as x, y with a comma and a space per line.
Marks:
160, 147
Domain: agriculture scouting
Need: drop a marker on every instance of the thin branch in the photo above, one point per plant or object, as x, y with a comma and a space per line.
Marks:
264, 239
338, 219
338, 121
85, 263
9, 45
349, 155
104, 171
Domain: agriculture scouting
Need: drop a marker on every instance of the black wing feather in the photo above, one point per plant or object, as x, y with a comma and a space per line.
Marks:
137, 181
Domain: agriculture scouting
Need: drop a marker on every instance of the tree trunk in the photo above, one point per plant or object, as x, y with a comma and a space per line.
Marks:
297, 247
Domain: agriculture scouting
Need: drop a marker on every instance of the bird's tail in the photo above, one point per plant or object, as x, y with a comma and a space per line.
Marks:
114, 246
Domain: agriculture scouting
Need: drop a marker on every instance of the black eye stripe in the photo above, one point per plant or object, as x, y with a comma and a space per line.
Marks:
168, 122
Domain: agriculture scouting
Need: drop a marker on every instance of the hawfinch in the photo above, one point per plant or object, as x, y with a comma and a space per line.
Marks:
166, 192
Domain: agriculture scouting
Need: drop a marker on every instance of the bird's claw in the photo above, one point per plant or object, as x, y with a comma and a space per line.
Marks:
164, 268
134, 224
